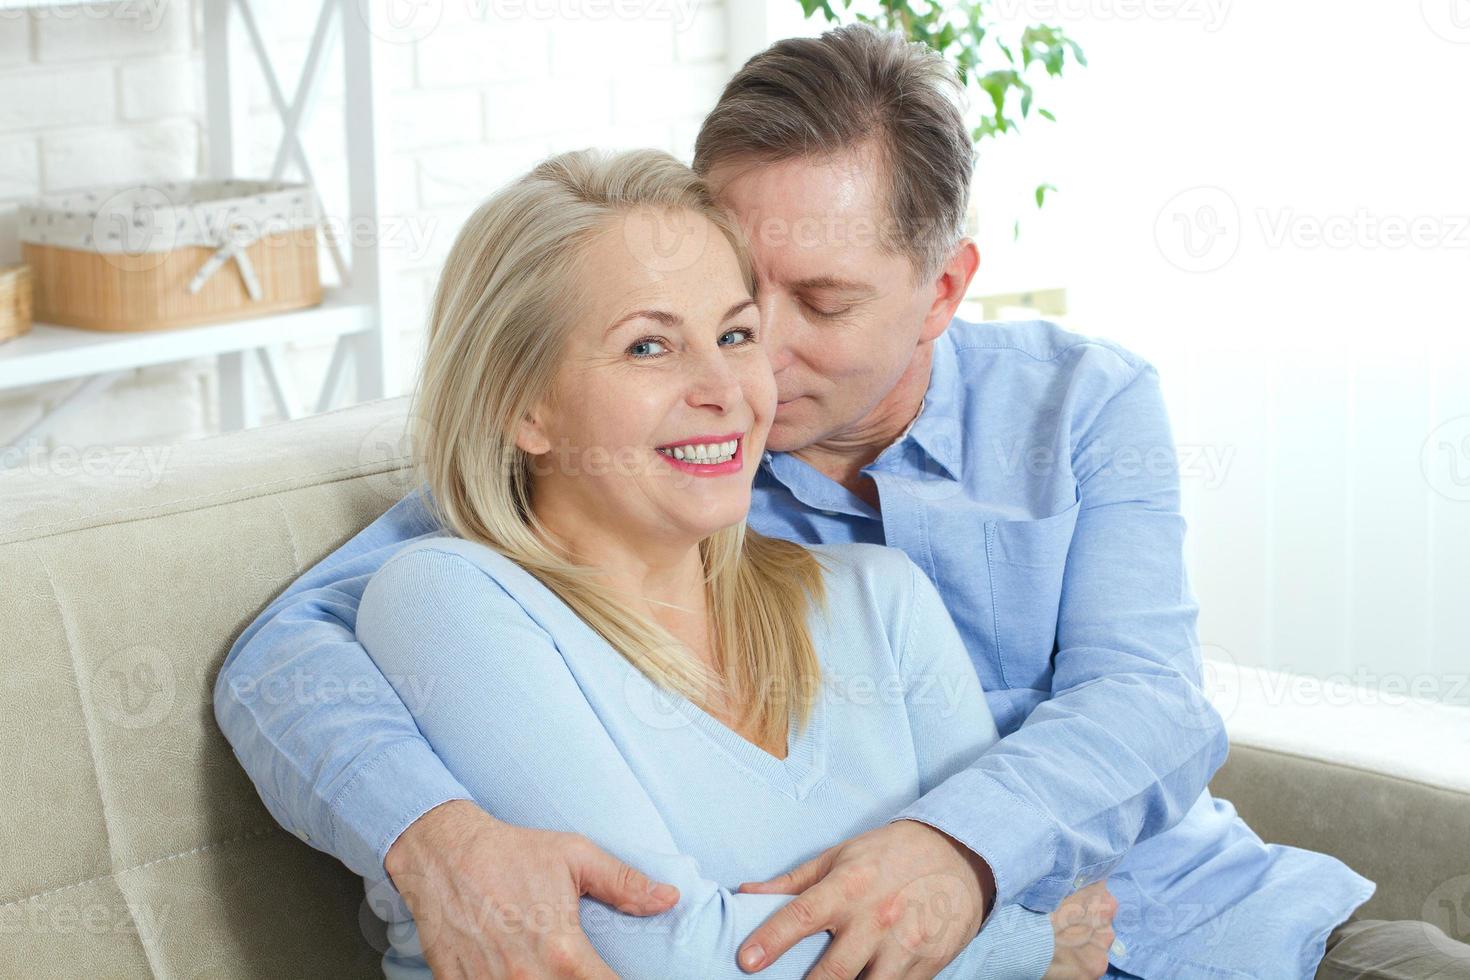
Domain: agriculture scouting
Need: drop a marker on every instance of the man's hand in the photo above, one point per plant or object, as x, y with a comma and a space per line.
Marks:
494, 900
901, 900
1083, 924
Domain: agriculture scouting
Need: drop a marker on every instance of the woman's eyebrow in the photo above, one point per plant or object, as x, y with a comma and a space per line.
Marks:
660, 316
739, 307
672, 319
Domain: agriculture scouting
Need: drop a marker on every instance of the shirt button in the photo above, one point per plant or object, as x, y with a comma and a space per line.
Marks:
1080, 882
304, 835
829, 513
1118, 949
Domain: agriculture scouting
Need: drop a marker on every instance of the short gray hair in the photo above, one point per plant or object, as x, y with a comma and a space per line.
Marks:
857, 86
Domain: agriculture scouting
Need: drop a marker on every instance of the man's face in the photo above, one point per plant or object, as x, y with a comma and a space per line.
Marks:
842, 316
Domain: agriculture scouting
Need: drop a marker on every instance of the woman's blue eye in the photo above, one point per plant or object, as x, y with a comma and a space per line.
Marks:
651, 347
640, 348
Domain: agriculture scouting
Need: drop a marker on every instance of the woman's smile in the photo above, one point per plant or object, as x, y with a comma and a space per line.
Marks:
716, 455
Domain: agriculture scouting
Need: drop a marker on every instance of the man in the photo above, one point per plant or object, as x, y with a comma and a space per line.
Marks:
1029, 471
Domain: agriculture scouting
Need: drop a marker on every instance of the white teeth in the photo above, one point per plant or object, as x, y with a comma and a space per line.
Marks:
710, 453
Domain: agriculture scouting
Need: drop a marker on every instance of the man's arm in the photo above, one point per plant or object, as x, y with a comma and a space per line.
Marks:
1127, 741
326, 739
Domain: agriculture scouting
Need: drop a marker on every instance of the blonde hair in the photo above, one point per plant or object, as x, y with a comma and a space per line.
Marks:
501, 313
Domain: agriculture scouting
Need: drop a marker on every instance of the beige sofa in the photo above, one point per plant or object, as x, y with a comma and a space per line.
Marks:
131, 843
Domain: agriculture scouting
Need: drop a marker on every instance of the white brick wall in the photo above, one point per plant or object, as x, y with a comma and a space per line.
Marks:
94, 32
32, 97
20, 166
88, 98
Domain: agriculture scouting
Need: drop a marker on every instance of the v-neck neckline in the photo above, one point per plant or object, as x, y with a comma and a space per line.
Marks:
806, 750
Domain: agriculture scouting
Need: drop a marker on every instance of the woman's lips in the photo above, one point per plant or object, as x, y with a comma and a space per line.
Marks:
704, 440
733, 465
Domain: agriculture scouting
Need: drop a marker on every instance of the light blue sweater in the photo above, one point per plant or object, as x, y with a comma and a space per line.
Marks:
548, 726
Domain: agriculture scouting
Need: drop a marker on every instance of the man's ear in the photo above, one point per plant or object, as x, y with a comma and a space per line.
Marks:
950, 284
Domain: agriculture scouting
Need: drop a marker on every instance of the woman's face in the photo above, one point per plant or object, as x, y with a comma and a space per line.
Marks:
661, 405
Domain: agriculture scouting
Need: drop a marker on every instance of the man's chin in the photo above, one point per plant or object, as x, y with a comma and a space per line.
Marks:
788, 437
795, 426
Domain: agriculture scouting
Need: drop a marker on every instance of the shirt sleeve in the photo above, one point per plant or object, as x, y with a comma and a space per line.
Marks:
1127, 741
325, 738
500, 706
952, 725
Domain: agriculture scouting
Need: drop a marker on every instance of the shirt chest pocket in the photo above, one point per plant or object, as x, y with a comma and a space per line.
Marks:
1026, 560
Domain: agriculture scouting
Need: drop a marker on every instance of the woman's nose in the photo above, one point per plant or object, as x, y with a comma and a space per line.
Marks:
713, 382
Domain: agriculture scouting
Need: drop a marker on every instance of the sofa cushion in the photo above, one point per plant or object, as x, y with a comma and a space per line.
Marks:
1370, 776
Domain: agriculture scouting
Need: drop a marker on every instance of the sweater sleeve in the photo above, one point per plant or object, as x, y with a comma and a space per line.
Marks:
492, 694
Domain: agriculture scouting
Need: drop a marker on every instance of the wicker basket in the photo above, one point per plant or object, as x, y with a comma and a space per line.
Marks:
15, 301
172, 254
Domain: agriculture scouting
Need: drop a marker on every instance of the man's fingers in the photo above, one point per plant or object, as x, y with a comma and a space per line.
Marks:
805, 915
1102, 906
795, 881
896, 963
847, 956
1093, 906
574, 958
622, 886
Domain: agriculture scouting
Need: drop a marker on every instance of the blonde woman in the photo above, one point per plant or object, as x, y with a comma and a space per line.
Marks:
598, 645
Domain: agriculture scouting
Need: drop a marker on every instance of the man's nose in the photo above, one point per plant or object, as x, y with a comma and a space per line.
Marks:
781, 356
775, 323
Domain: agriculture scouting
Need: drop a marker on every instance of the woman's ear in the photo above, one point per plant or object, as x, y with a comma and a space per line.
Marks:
531, 437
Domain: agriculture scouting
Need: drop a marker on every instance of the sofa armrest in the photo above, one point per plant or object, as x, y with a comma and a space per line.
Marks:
1381, 783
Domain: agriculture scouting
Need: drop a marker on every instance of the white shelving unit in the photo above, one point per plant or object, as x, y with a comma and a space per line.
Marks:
352, 316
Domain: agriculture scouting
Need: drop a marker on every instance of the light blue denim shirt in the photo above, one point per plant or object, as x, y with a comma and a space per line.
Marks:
1038, 490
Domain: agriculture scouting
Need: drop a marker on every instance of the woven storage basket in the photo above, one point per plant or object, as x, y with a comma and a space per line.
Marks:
15, 301
171, 254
